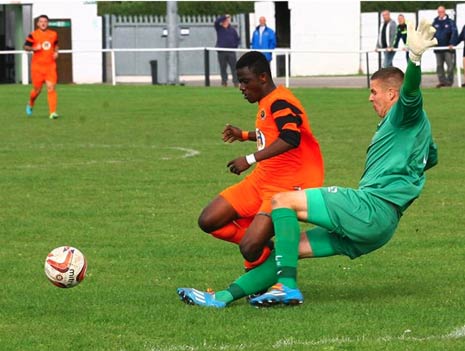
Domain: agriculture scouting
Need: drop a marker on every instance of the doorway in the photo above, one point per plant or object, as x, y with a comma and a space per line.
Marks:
65, 61
283, 34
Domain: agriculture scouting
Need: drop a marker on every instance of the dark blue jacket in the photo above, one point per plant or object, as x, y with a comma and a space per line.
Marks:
446, 32
268, 40
226, 37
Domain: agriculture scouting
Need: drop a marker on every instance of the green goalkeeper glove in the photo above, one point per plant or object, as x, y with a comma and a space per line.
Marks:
419, 40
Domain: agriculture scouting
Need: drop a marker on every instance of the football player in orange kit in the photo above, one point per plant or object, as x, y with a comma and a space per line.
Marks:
43, 43
288, 158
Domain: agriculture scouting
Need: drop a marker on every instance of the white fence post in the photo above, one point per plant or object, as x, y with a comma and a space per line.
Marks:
286, 63
24, 69
113, 67
457, 64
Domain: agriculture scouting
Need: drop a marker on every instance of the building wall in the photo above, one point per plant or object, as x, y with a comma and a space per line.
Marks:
86, 35
460, 16
325, 26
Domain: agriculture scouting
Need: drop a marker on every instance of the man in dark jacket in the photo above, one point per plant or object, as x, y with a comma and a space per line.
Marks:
226, 37
446, 34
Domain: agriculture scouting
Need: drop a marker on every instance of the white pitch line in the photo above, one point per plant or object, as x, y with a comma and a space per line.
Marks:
457, 333
187, 152
291, 342
190, 152
70, 164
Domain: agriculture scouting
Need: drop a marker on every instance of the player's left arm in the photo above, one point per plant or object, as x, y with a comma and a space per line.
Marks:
243, 163
57, 48
410, 100
454, 35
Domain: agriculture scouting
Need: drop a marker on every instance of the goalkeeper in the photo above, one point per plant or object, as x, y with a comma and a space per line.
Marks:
350, 222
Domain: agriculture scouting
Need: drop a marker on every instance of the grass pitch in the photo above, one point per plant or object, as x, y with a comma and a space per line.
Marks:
123, 176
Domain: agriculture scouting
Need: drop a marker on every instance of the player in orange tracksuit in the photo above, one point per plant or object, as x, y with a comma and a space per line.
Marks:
288, 158
43, 43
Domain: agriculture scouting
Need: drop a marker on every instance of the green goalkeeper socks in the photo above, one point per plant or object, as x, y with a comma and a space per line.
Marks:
287, 232
255, 280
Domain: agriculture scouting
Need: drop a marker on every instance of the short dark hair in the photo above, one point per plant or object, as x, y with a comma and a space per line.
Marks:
255, 61
392, 76
43, 16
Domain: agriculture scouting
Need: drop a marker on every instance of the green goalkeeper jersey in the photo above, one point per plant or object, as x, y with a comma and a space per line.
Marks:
402, 148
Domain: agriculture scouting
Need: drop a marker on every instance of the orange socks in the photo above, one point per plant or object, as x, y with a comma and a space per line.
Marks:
32, 97
234, 232
52, 101
263, 257
231, 232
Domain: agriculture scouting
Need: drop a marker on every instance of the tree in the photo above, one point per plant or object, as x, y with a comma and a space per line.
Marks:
128, 8
405, 6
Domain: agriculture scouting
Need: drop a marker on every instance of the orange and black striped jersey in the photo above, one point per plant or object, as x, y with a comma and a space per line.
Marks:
48, 40
281, 115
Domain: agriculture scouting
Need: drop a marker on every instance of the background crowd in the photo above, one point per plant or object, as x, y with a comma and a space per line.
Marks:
391, 33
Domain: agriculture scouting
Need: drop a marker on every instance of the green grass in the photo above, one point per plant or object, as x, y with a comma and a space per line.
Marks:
110, 178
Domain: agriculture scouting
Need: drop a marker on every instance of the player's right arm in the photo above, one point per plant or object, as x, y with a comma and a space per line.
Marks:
231, 134
432, 156
31, 45
218, 22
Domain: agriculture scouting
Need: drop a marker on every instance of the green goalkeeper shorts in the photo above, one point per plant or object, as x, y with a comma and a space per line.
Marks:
356, 221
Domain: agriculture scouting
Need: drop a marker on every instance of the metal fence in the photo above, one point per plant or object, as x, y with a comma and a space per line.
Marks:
151, 32
206, 61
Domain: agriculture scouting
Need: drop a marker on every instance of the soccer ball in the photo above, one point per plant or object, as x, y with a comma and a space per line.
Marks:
65, 267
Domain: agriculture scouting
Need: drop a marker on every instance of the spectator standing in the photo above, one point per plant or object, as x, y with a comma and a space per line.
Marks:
226, 37
401, 33
462, 38
263, 38
386, 37
446, 34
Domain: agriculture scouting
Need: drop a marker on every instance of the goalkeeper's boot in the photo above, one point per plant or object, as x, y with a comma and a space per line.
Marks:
277, 295
28, 110
54, 115
200, 298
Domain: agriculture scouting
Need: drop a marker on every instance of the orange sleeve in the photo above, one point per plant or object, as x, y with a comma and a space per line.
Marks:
29, 40
288, 119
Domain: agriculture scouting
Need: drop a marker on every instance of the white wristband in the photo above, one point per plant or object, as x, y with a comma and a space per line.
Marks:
250, 159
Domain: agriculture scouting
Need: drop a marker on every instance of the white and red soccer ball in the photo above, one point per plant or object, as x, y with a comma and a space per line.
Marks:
65, 266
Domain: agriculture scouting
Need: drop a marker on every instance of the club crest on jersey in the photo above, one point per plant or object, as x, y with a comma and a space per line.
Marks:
46, 45
262, 114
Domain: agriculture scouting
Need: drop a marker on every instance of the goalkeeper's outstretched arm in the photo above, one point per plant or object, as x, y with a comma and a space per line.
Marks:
418, 41
410, 100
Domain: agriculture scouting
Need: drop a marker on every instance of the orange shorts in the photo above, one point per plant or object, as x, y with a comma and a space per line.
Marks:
43, 73
250, 197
